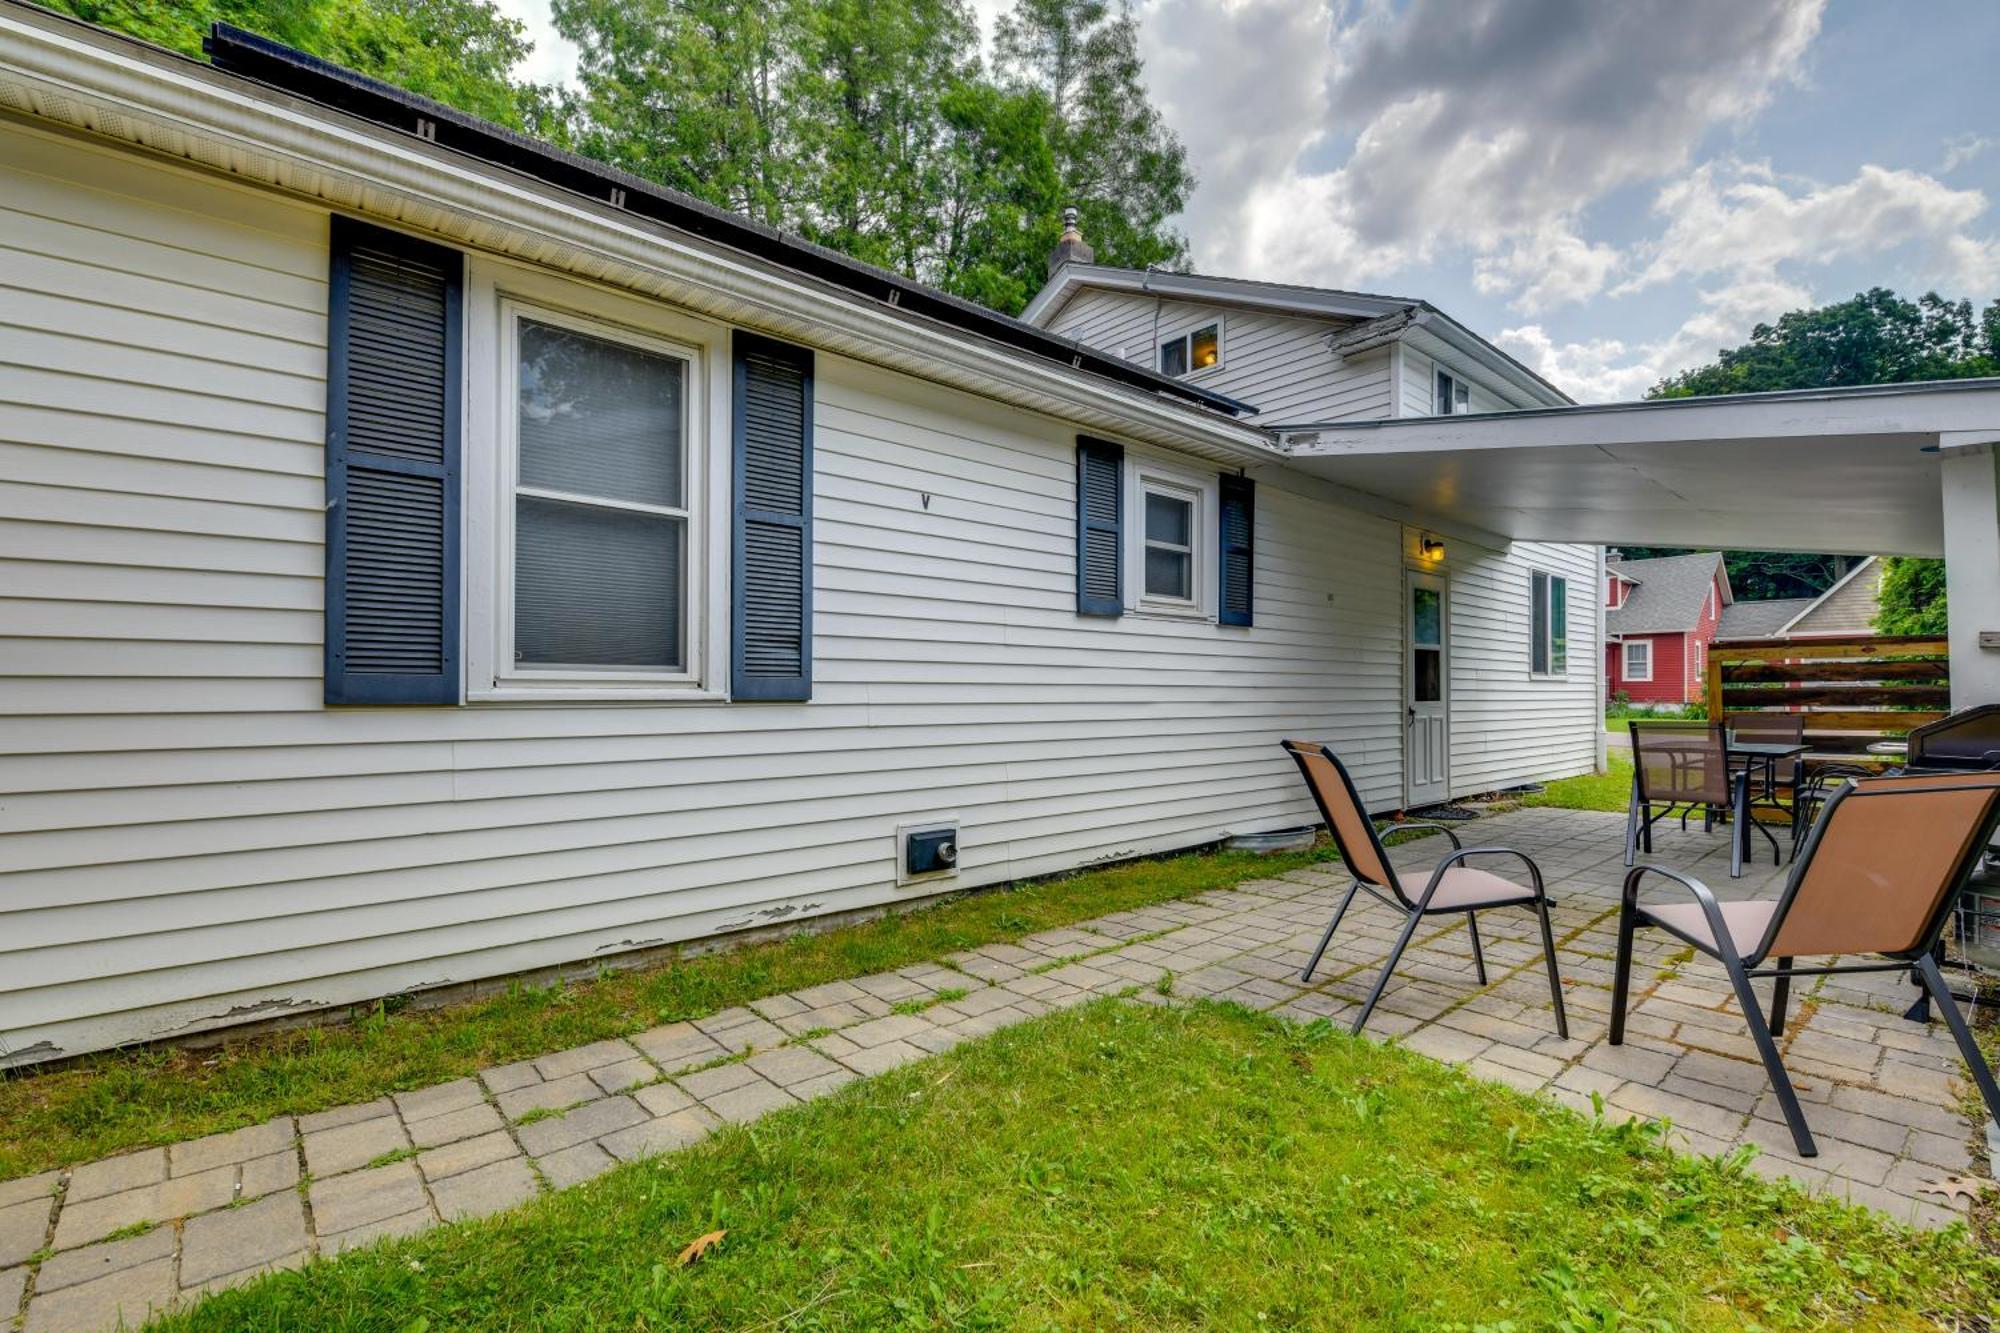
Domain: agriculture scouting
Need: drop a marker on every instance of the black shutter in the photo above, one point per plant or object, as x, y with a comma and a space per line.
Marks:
1236, 544
392, 502
771, 657
1100, 527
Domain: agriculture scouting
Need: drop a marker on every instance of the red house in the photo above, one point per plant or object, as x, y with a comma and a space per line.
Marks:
1660, 617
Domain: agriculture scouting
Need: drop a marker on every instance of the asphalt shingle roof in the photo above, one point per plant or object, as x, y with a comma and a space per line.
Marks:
1759, 620
1669, 594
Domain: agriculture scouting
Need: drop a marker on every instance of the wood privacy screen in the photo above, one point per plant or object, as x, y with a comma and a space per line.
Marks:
1852, 690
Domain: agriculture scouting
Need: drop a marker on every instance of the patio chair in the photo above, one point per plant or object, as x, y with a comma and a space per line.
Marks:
1675, 766
1452, 887
1784, 775
1878, 876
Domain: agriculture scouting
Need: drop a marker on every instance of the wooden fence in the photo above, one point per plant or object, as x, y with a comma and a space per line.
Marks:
1852, 690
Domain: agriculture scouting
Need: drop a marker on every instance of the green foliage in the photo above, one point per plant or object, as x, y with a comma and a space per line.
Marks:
1756, 576
1126, 1166
870, 127
1120, 166
458, 52
1874, 338
1912, 596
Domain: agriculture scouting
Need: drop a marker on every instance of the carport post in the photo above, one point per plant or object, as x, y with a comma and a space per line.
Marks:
1970, 474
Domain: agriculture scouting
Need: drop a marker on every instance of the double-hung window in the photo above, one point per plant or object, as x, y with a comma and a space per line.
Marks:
1637, 663
1192, 351
1454, 395
590, 561
1548, 624
600, 491
1172, 521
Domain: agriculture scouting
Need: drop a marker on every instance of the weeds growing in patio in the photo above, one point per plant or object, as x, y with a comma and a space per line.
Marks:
1120, 1166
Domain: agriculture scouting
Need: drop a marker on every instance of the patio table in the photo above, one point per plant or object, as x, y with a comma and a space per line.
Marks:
1757, 754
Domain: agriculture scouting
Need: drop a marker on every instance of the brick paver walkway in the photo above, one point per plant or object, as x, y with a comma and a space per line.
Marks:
1881, 1093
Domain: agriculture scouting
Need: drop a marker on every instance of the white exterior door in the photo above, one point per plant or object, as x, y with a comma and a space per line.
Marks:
1427, 730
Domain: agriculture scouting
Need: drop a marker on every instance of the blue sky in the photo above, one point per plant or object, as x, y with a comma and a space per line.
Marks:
1610, 191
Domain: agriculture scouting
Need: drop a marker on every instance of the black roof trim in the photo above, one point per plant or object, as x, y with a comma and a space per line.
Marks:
237, 51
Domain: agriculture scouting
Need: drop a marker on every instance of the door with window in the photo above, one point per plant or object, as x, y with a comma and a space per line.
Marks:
1427, 731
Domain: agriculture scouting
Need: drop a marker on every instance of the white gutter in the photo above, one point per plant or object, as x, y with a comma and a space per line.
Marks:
68, 74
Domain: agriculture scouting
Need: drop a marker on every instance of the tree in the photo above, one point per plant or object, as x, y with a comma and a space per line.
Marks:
1912, 598
867, 126
459, 52
1119, 165
1874, 338
1756, 576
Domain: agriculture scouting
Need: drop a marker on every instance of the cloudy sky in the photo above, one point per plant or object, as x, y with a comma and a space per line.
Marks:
1609, 191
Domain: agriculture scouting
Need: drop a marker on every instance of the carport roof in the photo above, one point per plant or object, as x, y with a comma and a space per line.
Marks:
1851, 470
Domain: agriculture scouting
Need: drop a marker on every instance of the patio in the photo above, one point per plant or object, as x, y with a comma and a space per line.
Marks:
1881, 1093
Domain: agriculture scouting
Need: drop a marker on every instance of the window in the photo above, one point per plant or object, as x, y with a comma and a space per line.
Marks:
1548, 624
1171, 550
1453, 395
589, 559
1192, 351
1638, 660
1170, 531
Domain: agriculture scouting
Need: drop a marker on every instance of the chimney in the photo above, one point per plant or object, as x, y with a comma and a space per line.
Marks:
1070, 248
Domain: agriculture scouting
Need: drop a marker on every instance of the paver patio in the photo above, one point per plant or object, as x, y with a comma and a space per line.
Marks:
144, 1231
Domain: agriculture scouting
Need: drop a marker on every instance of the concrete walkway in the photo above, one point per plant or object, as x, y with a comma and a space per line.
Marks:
158, 1228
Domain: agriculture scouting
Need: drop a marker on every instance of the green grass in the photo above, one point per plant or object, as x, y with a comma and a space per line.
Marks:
1125, 1167
1609, 790
132, 1099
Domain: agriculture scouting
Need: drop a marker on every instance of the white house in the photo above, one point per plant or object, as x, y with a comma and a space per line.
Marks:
428, 557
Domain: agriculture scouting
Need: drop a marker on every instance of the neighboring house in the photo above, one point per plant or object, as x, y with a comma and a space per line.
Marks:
1847, 608
1660, 617
432, 557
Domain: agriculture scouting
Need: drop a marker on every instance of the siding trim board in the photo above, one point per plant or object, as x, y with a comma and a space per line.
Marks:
395, 351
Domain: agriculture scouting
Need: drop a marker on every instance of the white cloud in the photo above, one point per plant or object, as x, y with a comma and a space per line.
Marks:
553, 60
1607, 369
1962, 149
1742, 219
1486, 126
1553, 266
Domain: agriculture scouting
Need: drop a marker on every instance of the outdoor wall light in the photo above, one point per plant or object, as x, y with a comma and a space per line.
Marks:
1431, 547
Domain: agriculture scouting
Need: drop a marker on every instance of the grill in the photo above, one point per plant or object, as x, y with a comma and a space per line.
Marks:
1967, 741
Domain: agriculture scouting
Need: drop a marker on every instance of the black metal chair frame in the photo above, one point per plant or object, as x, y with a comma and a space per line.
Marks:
1642, 813
1418, 908
1742, 970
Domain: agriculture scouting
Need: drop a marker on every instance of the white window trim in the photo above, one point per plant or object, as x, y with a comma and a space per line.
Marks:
498, 293
1142, 474
1549, 646
1457, 382
1186, 340
1625, 671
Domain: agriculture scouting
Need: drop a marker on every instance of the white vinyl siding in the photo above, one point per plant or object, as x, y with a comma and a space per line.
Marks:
1419, 387
190, 838
1508, 727
1278, 364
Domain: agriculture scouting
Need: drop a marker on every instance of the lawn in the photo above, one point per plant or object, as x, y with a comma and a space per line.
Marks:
132, 1099
1122, 1166
1609, 790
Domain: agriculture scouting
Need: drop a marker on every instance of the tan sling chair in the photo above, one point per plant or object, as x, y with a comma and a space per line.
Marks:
1878, 875
1452, 887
